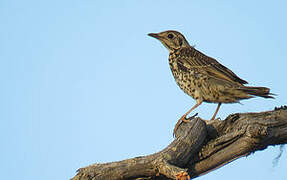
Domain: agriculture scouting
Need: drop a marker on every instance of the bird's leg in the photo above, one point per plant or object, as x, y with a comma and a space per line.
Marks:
216, 111
183, 118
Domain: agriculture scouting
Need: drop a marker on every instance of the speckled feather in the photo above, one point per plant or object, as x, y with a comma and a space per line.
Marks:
201, 81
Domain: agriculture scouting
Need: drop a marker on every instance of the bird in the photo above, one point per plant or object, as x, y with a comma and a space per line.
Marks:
203, 77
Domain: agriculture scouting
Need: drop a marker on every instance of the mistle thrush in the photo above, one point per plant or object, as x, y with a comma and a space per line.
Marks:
202, 77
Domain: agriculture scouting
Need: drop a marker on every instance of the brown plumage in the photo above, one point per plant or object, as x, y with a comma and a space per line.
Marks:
202, 77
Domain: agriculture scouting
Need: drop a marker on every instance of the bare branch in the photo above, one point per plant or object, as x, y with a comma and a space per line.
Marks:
200, 146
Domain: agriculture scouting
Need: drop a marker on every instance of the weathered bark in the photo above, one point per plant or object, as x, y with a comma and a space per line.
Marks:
199, 147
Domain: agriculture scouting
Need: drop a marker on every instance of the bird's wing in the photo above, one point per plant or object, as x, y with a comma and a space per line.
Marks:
190, 58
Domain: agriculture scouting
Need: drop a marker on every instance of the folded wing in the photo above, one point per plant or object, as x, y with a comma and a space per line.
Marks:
191, 58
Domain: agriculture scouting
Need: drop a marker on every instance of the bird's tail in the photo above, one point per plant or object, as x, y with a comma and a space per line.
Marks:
257, 91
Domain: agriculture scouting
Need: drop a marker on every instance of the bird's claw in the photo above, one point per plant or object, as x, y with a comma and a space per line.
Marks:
182, 119
193, 116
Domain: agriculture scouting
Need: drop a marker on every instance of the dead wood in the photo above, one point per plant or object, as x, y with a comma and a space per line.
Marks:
199, 147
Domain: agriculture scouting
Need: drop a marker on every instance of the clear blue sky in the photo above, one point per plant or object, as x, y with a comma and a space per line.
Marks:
81, 82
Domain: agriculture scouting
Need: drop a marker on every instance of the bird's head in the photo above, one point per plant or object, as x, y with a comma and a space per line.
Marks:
172, 40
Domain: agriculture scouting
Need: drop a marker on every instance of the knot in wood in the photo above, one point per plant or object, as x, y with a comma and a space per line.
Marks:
233, 117
256, 131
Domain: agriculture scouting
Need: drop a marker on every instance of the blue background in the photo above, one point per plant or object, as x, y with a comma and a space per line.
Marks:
81, 82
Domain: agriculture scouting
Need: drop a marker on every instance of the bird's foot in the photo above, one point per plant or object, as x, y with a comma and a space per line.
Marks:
182, 119
185, 120
182, 176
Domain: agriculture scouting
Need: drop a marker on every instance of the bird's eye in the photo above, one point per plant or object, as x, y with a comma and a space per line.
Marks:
170, 36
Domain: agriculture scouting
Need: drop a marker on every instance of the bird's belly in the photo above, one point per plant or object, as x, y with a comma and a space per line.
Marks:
197, 86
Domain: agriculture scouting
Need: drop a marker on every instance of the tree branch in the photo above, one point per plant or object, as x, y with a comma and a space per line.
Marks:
199, 147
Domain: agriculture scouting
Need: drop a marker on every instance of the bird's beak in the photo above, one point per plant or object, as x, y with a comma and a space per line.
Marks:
154, 35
